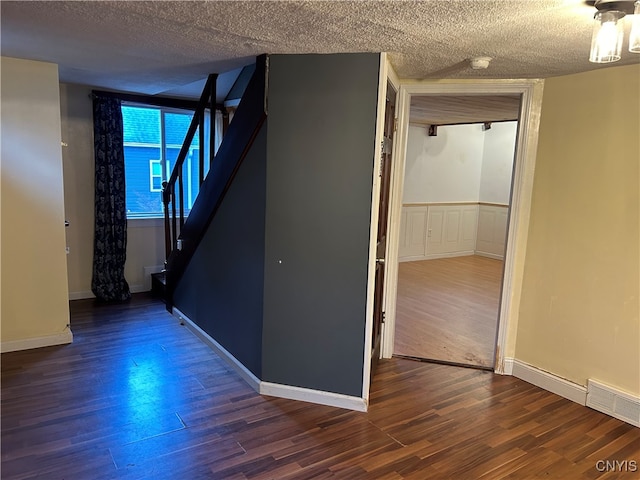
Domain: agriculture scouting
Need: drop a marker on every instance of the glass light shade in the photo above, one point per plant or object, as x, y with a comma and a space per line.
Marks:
634, 36
608, 32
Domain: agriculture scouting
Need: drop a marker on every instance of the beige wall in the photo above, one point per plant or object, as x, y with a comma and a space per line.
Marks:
35, 310
78, 163
145, 247
579, 308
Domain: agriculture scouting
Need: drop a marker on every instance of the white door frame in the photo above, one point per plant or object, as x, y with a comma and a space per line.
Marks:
385, 74
526, 147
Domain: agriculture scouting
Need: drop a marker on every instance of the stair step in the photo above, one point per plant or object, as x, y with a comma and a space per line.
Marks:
158, 284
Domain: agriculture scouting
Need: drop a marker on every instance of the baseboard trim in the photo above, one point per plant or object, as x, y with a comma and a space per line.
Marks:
489, 255
268, 388
433, 256
550, 382
233, 362
37, 342
508, 366
613, 402
313, 396
81, 295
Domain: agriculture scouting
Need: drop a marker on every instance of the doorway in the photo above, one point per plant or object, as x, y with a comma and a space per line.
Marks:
453, 229
530, 92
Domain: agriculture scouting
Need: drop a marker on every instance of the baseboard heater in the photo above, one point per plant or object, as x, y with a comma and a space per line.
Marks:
614, 402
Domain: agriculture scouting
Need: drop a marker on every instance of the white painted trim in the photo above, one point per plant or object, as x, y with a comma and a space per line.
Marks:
373, 225
518, 220
613, 402
233, 362
526, 147
81, 295
268, 388
314, 396
508, 367
550, 382
433, 256
488, 255
37, 342
398, 160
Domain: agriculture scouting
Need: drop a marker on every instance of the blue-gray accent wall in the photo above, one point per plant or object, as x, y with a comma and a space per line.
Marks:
280, 279
222, 288
320, 151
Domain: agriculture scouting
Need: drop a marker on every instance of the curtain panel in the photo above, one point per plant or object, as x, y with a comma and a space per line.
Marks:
110, 238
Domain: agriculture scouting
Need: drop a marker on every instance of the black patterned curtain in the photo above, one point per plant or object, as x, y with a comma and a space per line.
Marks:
110, 239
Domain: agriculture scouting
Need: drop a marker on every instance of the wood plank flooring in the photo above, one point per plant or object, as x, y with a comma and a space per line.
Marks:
137, 396
447, 309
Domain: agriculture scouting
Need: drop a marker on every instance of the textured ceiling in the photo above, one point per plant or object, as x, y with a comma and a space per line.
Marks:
452, 110
164, 46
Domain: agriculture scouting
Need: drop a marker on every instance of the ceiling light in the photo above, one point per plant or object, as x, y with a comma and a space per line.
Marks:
480, 63
608, 30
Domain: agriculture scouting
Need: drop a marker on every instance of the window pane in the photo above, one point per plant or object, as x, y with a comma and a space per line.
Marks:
150, 155
140, 199
156, 168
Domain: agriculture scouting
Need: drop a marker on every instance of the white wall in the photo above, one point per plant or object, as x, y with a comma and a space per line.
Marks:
444, 168
462, 163
448, 180
35, 310
145, 238
497, 162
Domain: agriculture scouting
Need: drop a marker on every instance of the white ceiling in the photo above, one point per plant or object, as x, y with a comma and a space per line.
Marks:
169, 47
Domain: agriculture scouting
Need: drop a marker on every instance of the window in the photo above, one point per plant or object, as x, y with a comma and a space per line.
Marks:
156, 177
153, 137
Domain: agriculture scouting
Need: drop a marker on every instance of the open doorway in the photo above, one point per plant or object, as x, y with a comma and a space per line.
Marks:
457, 188
528, 93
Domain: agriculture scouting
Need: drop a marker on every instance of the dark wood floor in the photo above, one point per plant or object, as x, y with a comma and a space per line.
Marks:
137, 396
447, 309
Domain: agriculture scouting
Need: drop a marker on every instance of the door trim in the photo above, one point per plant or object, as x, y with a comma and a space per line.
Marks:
525, 157
385, 74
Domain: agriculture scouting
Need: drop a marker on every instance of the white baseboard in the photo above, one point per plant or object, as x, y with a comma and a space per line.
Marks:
37, 342
489, 255
548, 381
233, 362
273, 389
81, 295
613, 402
508, 366
433, 256
314, 396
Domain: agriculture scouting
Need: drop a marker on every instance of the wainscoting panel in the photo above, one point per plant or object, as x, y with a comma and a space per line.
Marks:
492, 230
437, 230
444, 230
413, 231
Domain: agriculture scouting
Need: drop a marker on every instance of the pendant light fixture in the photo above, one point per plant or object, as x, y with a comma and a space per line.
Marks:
608, 30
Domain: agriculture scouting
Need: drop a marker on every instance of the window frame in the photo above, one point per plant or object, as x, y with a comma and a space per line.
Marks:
162, 146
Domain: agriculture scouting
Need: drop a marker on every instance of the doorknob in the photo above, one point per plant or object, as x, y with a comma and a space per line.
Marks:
380, 260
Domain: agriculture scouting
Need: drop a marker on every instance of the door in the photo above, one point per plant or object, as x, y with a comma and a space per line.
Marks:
383, 218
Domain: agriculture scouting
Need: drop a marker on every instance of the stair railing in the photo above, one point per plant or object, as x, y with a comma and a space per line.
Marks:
173, 189
182, 236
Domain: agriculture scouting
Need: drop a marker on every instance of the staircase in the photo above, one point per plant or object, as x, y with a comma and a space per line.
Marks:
185, 228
